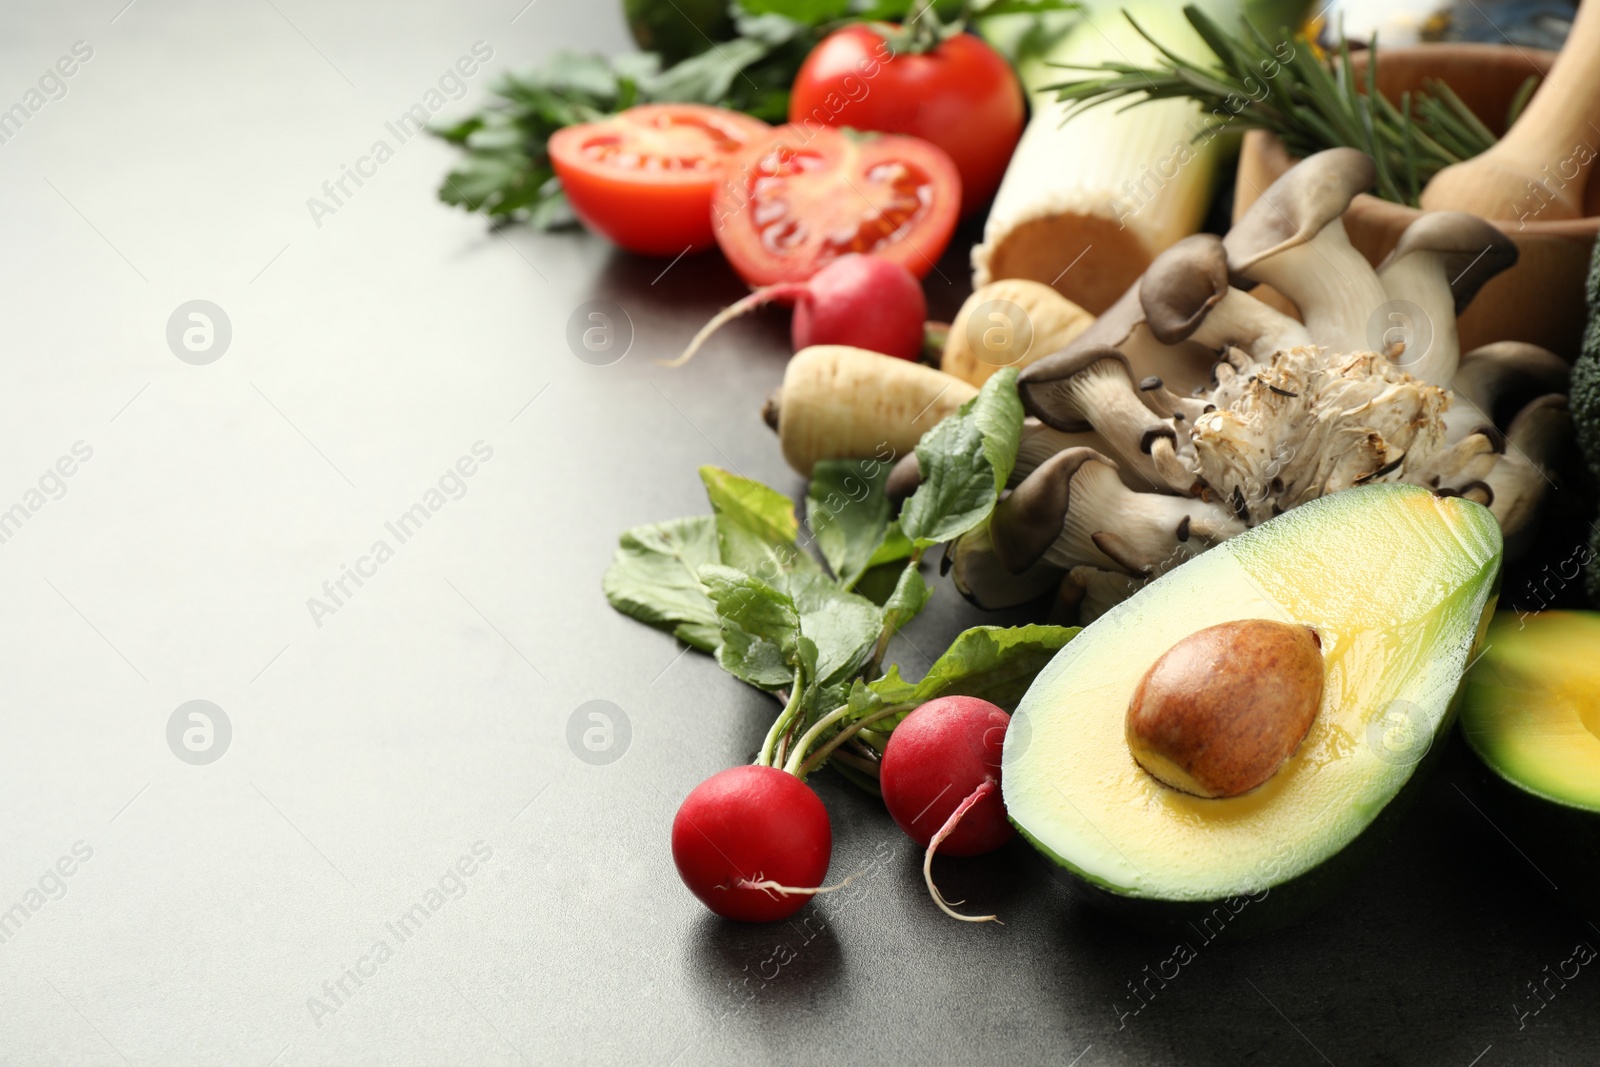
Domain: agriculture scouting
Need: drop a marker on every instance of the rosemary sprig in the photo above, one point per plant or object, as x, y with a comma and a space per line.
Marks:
1310, 101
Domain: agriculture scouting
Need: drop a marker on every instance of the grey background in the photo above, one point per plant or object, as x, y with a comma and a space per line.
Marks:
430, 711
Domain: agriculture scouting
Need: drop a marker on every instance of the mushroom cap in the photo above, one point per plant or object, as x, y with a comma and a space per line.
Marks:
1498, 373
904, 478
1472, 249
1182, 285
1514, 362
1027, 522
1096, 591
1046, 404
1296, 207
1540, 426
1116, 324
979, 576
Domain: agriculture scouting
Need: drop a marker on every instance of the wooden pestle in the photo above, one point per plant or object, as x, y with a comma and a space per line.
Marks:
1540, 167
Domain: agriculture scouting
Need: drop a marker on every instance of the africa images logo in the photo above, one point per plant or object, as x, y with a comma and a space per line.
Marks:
451, 85
451, 485
451, 885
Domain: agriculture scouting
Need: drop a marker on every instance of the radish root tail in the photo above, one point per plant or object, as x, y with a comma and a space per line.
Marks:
985, 788
731, 312
776, 890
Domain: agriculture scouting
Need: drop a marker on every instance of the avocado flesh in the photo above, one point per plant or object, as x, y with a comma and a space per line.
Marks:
1531, 714
1396, 582
1532, 706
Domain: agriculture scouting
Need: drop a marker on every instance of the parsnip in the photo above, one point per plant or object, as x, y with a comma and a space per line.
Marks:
844, 403
1009, 323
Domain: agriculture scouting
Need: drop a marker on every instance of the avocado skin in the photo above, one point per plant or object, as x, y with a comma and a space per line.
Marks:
1559, 843
1284, 903
1584, 401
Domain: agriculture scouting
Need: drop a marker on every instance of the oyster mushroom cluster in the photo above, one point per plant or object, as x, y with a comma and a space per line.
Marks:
1192, 410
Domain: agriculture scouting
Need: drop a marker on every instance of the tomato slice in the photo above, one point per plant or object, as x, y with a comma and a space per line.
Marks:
645, 177
806, 195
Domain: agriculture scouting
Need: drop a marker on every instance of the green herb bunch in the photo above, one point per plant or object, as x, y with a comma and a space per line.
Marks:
506, 172
742, 584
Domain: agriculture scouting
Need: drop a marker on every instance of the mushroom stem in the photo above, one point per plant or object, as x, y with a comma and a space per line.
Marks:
1439, 264
1075, 510
1462, 463
1039, 442
1173, 470
1426, 349
1242, 320
1091, 388
1169, 405
1123, 327
1293, 238
1183, 365
1186, 297
1332, 284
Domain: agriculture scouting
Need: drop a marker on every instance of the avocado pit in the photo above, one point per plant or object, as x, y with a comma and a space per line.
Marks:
1222, 709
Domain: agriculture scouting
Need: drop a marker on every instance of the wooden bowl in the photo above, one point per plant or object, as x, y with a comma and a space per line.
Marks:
1541, 299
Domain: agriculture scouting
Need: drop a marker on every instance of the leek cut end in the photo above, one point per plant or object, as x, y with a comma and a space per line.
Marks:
1090, 259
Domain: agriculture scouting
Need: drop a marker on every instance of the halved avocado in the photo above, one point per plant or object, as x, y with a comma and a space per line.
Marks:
1531, 714
1398, 585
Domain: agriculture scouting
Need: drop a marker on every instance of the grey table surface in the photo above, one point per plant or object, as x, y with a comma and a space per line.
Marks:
301, 899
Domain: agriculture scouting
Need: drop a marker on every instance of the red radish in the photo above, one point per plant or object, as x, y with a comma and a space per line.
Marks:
940, 778
856, 300
752, 843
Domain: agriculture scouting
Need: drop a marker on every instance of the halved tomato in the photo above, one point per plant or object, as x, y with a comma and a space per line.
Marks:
644, 177
806, 195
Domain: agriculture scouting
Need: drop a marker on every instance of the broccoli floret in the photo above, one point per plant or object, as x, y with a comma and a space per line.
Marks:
1584, 401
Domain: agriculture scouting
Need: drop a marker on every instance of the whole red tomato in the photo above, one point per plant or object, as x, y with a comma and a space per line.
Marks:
960, 94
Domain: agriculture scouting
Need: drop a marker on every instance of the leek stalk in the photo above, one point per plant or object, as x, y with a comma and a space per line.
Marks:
1087, 204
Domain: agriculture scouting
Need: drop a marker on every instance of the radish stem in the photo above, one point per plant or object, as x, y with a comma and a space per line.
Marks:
875, 738
867, 785
782, 723
800, 765
856, 763
806, 739
862, 751
985, 788
731, 312
782, 753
